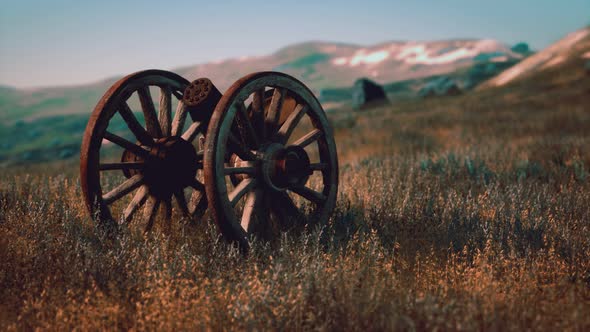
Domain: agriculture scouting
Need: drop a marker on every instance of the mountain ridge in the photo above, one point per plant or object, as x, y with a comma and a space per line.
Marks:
319, 64
45, 124
281, 52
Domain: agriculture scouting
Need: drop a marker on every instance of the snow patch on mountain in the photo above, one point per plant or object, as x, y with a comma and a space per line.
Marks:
422, 56
416, 53
369, 58
362, 57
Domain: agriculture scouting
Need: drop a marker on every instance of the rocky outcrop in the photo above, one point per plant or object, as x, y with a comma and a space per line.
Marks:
366, 93
521, 48
483, 71
438, 87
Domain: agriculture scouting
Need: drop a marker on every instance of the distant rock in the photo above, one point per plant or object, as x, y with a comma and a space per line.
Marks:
441, 86
521, 48
587, 67
367, 93
483, 71
487, 57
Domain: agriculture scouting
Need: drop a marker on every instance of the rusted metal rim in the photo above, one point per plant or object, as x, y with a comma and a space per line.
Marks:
162, 147
272, 167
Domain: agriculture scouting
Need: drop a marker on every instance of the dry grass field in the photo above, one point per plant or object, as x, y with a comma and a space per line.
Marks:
462, 213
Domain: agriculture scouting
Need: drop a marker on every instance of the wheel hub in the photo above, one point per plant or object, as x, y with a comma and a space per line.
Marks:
284, 167
171, 167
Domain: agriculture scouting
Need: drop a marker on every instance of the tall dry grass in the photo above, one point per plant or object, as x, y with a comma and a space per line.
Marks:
459, 214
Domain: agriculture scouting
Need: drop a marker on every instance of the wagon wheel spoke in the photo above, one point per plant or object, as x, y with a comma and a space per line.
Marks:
136, 128
200, 155
200, 164
135, 203
237, 147
260, 222
259, 188
167, 215
150, 211
135, 142
258, 113
282, 136
198, 204
120, 141
177, 94
193, 131
167, 209
197, 185
179, 118
250, 170
182, 203
274, 110
287, 213
165, 110
123, 189
149, 112
253, 201
128, 165
198, 200
271, 222
309, 138
318, 166
240, 190
247, 128
309, 194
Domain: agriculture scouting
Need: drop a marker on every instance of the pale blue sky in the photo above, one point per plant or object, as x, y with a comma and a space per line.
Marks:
59, 42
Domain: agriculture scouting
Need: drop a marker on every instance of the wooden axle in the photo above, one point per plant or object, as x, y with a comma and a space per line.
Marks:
200, 98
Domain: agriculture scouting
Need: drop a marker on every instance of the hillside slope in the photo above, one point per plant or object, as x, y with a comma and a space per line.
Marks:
460, 213
574, 46
47, 124
317, 64
322, 65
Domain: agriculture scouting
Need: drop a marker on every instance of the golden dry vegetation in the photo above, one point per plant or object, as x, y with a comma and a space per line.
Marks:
463, 213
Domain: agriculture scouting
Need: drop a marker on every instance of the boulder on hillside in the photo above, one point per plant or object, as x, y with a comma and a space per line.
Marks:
366, 93
480, 72
438, 87
521, 48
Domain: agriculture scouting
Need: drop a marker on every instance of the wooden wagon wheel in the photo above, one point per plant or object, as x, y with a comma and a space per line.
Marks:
147, 158
270, 162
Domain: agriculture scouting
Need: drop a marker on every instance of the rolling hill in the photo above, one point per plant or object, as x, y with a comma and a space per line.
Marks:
460, 213
328, 65
318, 64
575, 47
47, 123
